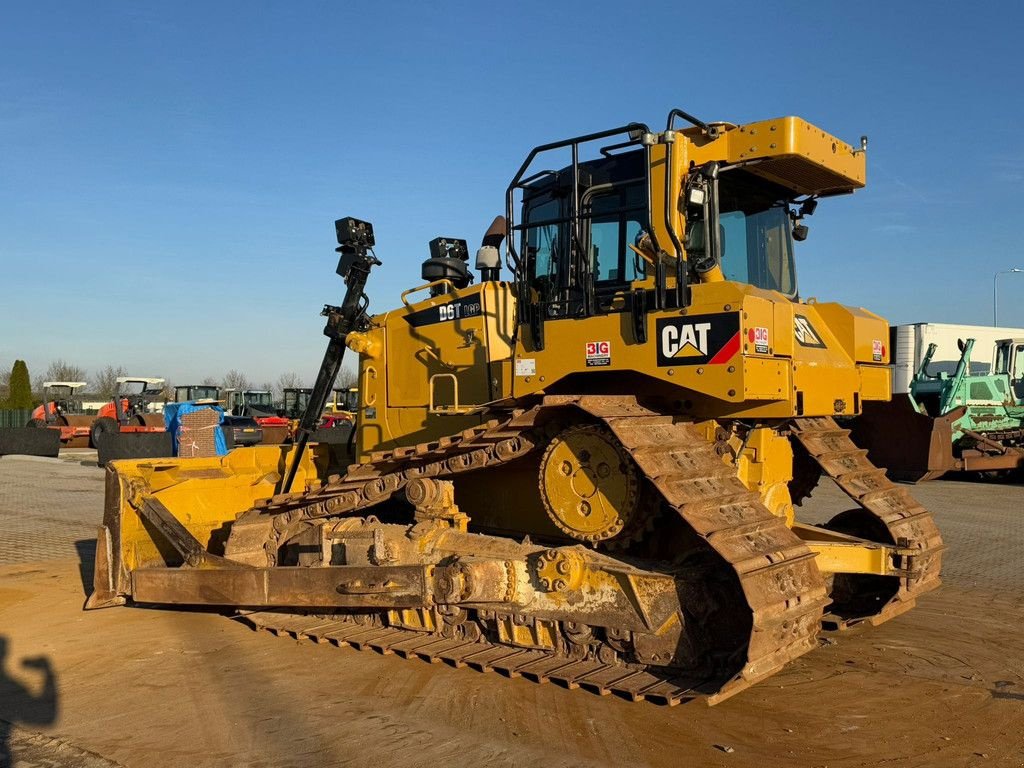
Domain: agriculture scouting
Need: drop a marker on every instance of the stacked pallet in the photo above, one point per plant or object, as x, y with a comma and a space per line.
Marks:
197, 434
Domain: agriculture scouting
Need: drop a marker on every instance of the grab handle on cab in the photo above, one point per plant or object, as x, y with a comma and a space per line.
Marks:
432, 284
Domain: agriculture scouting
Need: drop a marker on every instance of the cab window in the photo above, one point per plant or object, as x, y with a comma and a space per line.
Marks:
544, 243
756, 232
615, 215
756, 248
1002, 363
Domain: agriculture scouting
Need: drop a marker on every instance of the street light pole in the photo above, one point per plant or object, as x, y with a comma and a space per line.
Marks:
995, 294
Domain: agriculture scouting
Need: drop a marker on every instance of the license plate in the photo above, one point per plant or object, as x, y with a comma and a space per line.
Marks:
248, 429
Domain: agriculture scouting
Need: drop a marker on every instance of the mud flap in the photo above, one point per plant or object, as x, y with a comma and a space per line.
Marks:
29, 441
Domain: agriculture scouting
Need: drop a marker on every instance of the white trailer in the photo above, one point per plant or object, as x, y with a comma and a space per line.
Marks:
909, 344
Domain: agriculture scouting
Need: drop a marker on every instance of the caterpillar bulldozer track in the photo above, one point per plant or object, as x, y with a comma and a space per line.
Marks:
586, 474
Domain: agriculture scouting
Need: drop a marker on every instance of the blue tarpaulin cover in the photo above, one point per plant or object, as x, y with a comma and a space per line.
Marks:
172, 421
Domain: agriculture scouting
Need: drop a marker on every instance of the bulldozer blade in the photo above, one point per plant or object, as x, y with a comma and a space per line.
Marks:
159, 512
911, 446
103, 593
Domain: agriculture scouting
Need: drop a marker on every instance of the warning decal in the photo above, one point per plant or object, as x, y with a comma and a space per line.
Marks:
526, 366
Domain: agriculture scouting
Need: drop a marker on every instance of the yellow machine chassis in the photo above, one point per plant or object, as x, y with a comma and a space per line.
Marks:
566, 482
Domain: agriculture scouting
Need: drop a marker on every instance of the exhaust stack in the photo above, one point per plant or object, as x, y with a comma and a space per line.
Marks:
488, 258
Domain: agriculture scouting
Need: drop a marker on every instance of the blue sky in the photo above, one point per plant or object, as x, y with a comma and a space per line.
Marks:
165, 168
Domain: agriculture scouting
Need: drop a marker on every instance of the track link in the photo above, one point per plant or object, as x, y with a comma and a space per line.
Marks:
777, 573
628, 680
909, 524
386, 472
783, 589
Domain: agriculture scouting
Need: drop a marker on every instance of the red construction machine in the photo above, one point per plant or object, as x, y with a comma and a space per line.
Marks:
128, 410
62, 410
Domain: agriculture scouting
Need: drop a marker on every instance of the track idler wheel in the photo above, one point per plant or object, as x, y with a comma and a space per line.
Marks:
589, 484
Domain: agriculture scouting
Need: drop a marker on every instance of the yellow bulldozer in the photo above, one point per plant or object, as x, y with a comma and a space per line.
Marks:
586, 473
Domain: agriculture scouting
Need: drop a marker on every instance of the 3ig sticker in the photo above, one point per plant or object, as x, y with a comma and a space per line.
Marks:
599, 354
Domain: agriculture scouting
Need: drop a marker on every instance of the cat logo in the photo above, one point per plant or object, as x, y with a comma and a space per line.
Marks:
685, 340
805, 334
698, 340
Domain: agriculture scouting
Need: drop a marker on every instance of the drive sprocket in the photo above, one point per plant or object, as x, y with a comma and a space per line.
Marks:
589, 484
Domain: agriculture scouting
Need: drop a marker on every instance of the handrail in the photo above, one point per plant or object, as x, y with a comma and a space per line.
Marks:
431, 284
446, 410
638, 128
710, 130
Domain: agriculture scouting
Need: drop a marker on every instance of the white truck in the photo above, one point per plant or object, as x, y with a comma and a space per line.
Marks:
909, 343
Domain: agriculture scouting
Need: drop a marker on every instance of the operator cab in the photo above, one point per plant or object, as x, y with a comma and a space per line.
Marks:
295, 401
61, 396
755, 232
258, 403
756, 226
346, 399
134, 396
1009, 361
613, 212
631, 229
200, 393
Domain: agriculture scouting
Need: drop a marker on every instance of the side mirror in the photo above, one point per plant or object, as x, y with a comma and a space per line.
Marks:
800, 232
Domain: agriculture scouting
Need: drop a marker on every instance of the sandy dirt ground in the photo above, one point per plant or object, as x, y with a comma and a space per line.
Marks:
942, 685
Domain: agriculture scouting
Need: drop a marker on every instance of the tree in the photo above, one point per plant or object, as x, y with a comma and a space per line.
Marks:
5, 380
236, 380
287, 380
61, 370
210, 381
20, 387
104, 382
346, 378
